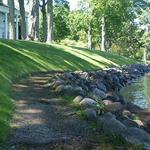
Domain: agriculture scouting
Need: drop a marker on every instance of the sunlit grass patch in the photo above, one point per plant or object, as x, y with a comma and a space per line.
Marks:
24, 57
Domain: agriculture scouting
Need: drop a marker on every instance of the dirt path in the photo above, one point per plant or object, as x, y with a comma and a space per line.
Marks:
42, 120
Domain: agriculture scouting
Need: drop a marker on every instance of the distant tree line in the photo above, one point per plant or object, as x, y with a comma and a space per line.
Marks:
120, 26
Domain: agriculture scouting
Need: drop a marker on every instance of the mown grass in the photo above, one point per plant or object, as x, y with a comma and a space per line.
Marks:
23, 57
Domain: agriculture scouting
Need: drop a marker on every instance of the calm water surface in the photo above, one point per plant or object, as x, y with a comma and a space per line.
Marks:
138, 92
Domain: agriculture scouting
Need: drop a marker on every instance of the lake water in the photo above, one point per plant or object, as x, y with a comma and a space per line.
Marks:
138, 92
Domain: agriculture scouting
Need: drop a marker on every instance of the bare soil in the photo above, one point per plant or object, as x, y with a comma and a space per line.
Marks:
44, 122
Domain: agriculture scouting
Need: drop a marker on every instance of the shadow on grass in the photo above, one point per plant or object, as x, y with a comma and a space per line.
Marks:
24, 57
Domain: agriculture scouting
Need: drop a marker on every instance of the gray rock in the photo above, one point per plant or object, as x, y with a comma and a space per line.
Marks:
101, 86
99, 93
112, 96
129, 123
84, 75
68, 75
107, 102
69, 90
79, 90
78, 99
111, 125
134, 135
57, 83
133, 108
88, 103
114, 107
137, 136
126, 113
60, 89
90, 114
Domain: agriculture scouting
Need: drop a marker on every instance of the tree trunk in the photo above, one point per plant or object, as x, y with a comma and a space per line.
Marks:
103, 34
50, 36
44, 20
11, 19
23, 20
34, 20
90, 37
37, 20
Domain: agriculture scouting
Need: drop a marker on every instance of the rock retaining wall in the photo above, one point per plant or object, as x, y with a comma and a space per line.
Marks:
97, 93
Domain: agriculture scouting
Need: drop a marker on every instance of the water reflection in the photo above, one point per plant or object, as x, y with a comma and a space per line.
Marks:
139, 92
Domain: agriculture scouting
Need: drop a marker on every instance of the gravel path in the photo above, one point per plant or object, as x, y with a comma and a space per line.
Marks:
42, 119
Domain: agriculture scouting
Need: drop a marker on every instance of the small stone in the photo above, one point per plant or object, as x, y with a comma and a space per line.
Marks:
99, 93
88, 103
107, 102
68, 75
139, 122
101, 86
129, 122
90, 114
126, 113
57, 83
60, 89
112, 96
79, 90
78, 99
69, 90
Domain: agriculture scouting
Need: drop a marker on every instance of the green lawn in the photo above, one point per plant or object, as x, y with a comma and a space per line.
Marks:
20, 57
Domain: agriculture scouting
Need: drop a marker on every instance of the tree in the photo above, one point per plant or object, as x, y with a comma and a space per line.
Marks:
34, 20
78, 24
23, 20
50, 34
61, 17
111, 14
44, 19
145, 29
11, 19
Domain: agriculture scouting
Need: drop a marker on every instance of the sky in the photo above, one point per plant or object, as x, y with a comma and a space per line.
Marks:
73, 4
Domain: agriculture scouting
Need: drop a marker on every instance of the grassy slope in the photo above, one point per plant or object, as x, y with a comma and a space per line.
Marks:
19, 57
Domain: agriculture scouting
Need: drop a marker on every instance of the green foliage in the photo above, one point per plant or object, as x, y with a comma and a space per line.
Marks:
78, 23
61, 13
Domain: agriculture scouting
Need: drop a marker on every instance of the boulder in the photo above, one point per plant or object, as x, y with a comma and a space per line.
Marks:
78, 99
133, 108
137, 136
129, 122
111, 125
134, 135
99, 93
88, 103
90, 114
114, 107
